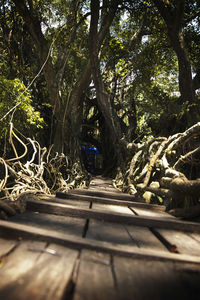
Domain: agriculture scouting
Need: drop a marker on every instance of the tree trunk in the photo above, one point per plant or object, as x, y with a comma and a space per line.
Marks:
94, 45
112, 130
34, 27
185, 73
173, 17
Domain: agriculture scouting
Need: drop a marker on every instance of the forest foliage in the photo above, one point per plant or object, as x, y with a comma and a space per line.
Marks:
122, 76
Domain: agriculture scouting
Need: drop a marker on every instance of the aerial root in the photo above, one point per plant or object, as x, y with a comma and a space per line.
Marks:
165, 171
42, 173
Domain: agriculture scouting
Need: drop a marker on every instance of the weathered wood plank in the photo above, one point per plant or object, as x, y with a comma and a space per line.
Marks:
95, 280
15, 230
62, 209
189, 276
49, 278
184, 243
62, 224
105, 189
144, 280
112, 208
109, 232
74, 202
196, 236
181, 241
96, 256
103, 184
77, 203
100, 180
19, 262
122, 234
143, 211
144, 238
109, 201
103, 194
126, 234
6, 246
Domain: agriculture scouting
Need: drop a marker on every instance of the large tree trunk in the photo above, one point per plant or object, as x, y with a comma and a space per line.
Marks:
185, 73
43, 47
72, 126
173, 17
111, 128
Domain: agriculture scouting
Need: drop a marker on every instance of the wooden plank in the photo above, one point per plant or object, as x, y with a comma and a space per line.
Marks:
106, 189
104, 194
128, 234
108, 201
143, 211
189, 275
49, 278
196, 236
112, 208
95, 279
146, 279
15, 230
19, 262
74, 202
6, 246
101, 182
181, 241
109, 232
100, 179
62, 224
144, 238
62, 209
96, 256
77, 203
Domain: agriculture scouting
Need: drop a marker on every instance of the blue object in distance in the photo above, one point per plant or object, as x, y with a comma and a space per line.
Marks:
90, 149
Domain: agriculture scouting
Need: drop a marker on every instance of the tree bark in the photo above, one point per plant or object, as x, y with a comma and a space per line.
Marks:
95, 40
33, 25
112, 146
173, 18
185, 74
196, 80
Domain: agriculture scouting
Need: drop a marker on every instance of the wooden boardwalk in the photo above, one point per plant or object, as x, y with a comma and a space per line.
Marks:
98, 244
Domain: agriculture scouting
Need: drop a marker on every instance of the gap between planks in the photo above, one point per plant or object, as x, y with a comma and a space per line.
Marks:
15, 230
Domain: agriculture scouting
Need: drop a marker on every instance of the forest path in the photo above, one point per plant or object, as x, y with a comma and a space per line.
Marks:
98, 243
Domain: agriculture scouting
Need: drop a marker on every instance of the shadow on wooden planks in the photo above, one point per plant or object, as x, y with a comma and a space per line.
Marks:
83, 246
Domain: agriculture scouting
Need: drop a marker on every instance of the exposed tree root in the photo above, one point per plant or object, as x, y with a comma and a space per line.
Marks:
186, 213
161, 170
165, 170
43, 173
